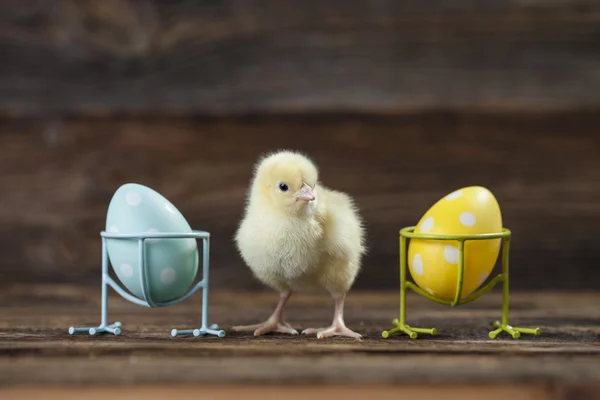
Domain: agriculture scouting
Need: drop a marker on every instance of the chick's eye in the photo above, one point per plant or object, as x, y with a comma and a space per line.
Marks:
283, 187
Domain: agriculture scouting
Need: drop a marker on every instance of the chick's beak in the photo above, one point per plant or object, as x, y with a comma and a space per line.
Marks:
305, 193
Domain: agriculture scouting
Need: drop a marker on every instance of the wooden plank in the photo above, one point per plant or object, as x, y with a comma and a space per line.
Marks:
241, 56
298, 370
451, 392
58, 176
34, 341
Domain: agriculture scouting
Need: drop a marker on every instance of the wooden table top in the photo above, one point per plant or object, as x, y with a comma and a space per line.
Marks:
36, 350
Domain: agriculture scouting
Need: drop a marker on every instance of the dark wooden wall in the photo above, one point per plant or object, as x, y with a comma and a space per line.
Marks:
265, 56
399, 102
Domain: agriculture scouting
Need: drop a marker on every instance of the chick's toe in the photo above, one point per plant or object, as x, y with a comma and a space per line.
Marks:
269, 326
333, 330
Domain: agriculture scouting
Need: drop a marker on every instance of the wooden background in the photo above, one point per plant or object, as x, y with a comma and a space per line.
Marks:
399, 102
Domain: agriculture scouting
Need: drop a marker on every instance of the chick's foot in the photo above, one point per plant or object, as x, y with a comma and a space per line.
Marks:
274, 324
333, 330
338, 327
269, 326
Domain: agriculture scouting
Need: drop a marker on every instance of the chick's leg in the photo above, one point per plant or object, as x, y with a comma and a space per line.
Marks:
275, 322
338, 327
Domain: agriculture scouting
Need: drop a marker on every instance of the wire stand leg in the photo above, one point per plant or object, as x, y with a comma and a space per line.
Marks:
503, 326
204, 328
401, 325
115, 328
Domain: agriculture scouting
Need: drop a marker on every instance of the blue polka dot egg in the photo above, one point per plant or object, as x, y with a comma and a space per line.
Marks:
172, 264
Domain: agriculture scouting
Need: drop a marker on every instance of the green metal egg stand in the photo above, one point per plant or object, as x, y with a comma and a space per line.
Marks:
501, 326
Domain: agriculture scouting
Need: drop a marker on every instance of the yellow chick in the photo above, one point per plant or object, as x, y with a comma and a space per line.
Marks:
298, 235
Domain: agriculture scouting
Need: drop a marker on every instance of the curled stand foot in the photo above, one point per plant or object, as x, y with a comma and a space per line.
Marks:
115, 329
212, 330
412, 333
512, 331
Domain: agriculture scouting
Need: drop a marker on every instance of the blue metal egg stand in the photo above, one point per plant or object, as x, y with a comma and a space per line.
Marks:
115, 328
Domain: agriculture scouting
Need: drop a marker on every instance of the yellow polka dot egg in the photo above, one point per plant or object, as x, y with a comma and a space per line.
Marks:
433, 264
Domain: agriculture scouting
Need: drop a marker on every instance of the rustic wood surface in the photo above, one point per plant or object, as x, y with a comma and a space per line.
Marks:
58, 175
35, 348
310, 55
272, 392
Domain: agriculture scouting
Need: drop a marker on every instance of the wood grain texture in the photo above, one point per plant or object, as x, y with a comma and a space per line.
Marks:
272, 392
35, 349
58, 176
263, 56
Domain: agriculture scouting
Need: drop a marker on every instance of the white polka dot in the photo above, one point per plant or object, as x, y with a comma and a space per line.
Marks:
191, 244
113, 229
451, 254
454, 195
167, 276
152, 230
467, 219
127, 270
170, 208
482, 278
417, 264
427, 225
133, 198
